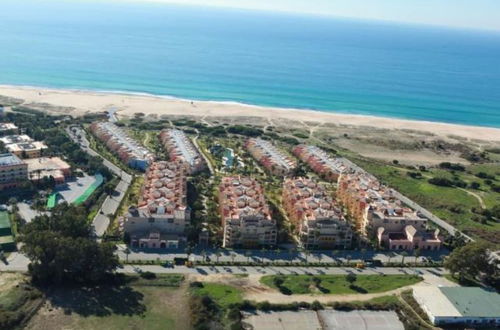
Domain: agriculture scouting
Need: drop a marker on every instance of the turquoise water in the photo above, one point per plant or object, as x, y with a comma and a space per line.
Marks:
254, 57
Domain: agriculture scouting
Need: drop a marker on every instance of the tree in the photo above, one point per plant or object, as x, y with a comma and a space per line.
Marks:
470, 260
416, 254
403, 255
127, 252
233, 256
351, 278
60, 248
248, 254
218, 254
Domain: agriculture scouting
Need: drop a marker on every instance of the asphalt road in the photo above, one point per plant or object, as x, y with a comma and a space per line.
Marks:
111, 204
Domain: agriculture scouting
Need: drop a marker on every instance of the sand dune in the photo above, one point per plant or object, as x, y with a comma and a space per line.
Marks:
128, 104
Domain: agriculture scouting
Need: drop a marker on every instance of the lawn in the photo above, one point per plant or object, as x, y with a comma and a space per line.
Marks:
338, 284
142, 304
223, 295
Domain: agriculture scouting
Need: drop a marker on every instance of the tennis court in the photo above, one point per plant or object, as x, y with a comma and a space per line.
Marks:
99, 179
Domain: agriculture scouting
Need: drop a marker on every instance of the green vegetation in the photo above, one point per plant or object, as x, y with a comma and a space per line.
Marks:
468, 262
18, 300
222, 295
61, 249
338, 284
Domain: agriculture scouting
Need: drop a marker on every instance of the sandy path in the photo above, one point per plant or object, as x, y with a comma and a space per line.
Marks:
84, 102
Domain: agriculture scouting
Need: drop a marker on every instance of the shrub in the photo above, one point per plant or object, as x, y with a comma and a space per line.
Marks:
196, 284
148, 275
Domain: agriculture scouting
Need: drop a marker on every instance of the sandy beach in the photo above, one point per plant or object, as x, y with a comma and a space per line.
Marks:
77, 103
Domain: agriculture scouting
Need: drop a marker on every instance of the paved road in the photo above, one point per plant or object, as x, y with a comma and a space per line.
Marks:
272, 256
210, 270
27, 213
111, 204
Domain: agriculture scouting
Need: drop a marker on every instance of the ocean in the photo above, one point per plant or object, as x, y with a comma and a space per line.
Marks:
261, 58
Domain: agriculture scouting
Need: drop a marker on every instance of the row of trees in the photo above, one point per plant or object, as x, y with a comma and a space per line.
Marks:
61, 249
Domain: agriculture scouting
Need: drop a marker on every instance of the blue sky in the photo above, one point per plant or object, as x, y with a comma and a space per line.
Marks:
479, 14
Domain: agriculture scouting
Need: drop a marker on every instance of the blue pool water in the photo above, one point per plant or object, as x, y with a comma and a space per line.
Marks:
260, 58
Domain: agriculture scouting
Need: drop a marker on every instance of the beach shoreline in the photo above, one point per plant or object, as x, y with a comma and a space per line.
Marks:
80, 102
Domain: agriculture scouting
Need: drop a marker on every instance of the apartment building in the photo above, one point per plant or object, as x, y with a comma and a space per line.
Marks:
245, 215
13, 171
320, 162
119, 142
268, 155
316, 215
8, 129
180, 148
377, 213
162, 214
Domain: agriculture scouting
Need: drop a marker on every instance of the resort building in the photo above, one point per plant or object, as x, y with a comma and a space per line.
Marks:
320, 162
8, 129
269, 156
13, 171
377, 213
245, 215
180, 148
117, 140
55, 167
27, 149
459, 307
317, 218
161, 216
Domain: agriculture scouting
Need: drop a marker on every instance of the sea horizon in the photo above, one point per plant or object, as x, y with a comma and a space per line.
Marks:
267, 60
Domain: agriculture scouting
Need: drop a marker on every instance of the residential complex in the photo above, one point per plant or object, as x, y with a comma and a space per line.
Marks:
377, 213
274, 160
161, 216
180, 148
320, 162
317, 217
8, 128
463, 307
245, 215
117, 140
13, 171
55, 167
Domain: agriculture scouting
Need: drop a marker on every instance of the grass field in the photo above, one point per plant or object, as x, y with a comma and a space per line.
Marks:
223, 295
337, 284
159, 303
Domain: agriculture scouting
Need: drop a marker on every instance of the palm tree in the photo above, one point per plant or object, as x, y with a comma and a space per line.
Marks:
203, 254
335, 253
127, 252
263, 252
416, 254
248, 254
218, 254
233, 256
403, 255
389, 255
348, 257
363, 253
307, 254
